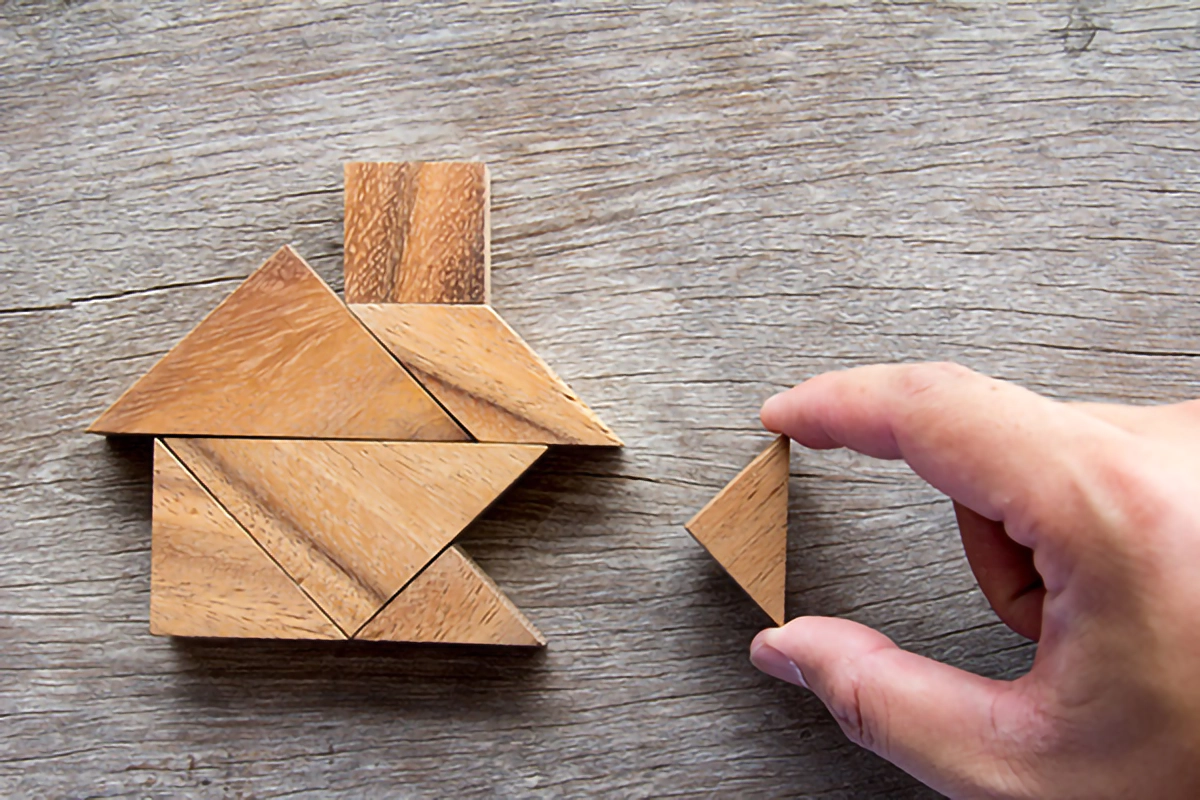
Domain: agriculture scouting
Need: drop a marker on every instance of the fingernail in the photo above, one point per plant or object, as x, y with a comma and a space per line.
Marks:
776, 664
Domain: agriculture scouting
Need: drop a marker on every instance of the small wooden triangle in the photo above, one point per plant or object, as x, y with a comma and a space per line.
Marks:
493, 383
280, 357
209, 578
455, 602
745, 528
353, 522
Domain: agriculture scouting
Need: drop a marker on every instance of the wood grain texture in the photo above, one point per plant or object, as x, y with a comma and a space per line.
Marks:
353, 522
477, 366
695, 205
209, 578
744, 527
281, 356
417, 232
452, 601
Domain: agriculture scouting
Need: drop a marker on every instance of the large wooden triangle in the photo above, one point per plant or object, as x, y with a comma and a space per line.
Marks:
280, 357
493, 383
209, 578
353, 522
455, 602
745, 528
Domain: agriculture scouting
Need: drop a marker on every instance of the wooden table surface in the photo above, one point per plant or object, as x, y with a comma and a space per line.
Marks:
694, 206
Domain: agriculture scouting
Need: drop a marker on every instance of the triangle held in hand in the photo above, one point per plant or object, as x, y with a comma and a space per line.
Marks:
745, 528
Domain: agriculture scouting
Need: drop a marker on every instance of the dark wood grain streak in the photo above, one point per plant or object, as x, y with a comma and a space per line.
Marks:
417, 232
694, 206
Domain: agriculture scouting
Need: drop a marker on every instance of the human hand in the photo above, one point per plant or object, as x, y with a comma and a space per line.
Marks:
1081, 523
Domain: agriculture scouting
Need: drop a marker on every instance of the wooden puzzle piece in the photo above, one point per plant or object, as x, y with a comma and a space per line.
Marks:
280, 357
209, 578
493, 383
745, 528
302, 453
417, 232
452, 601
353, 522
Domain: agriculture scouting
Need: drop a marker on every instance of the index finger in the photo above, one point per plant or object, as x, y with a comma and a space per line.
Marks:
1001, 450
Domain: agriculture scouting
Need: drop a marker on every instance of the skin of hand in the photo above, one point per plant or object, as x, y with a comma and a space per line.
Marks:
1081, 523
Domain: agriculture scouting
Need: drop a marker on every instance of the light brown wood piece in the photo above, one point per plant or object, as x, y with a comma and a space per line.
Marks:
452, 601
417, 232
745, 528
209, 578
280, 357
353, 522
493, 383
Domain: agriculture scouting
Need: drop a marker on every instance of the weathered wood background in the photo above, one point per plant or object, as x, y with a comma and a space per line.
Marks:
695, 206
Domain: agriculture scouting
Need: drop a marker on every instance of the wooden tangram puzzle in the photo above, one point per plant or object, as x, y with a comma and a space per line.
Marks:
745, 528
314, 461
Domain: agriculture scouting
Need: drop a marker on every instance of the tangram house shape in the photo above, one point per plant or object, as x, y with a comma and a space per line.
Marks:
745, 528
314, 461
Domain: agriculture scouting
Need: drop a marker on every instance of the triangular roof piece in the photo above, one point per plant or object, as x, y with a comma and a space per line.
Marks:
280, 357
353, 522
209, 578
745, 528
493, 383
452, 601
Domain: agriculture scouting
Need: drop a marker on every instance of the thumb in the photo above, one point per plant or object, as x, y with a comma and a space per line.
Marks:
949, 729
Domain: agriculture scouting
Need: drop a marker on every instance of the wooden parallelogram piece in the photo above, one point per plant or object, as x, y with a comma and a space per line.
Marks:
209, 578
745, 528
417, 232
281, 357
485, 375
353, 522
452, 601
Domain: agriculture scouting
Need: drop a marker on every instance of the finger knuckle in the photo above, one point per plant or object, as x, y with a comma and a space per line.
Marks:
918, 379
863, 722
